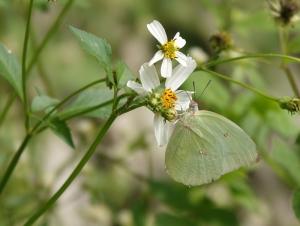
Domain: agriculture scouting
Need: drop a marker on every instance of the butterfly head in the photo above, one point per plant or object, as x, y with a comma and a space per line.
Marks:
193, 106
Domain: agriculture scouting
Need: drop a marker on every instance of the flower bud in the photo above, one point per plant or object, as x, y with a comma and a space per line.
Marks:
220, 42
169, 114
284, 11
290, 104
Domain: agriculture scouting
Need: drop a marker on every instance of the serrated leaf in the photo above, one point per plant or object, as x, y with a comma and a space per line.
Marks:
43, 103
123, 74
10, 69
88, 99
97, 47
296, 203
61, 129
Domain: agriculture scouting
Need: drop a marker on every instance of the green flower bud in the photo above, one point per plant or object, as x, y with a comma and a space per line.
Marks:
220, 42
290, 104
169, 114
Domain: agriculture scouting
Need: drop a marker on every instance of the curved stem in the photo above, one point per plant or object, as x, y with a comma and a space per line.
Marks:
24, 72
258, 55
49, 34
15, 160
64, 101
241, 84
74, 173
81, 164
13, 163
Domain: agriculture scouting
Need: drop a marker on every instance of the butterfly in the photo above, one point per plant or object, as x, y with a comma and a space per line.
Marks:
204, 146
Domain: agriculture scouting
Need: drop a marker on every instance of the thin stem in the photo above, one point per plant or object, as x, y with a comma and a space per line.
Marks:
259, 55
7, 107
74, 173
241, 84
13, 163
283, 39
24, 72
18, 154
64, 101
50, 33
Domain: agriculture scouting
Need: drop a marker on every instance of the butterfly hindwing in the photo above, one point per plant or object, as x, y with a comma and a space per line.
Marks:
204, 146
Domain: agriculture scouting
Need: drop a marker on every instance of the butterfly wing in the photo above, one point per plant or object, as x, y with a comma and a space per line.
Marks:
206, 145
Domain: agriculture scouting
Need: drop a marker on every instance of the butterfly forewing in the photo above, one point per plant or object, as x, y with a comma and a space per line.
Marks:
204, 146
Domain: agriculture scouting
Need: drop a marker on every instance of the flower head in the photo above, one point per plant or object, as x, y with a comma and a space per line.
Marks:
169, 49
284, 11
165, 100
291, 104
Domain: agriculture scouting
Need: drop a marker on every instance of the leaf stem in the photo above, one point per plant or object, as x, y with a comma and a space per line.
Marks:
24, 72
255, 55
241, 84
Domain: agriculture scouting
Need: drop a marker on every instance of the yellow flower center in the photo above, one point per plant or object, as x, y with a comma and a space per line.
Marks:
168, 99
169, 49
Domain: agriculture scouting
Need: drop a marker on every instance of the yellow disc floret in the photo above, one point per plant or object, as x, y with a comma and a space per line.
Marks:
168, 99
169, 49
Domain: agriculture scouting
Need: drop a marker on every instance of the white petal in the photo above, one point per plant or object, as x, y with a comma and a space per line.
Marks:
148, 77
166, 68
158, 31
181, 58
183, 100
179, 41
180, 74
162, 130
157, 57
137, 87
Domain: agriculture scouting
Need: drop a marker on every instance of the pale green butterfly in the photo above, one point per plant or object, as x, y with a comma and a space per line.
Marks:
204, 146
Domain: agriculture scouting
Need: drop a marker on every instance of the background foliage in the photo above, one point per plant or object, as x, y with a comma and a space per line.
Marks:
125, 183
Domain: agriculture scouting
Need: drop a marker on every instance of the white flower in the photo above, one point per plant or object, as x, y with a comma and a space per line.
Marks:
168, 49
171, 99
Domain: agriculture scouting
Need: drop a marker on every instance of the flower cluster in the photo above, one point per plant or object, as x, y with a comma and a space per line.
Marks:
164, 99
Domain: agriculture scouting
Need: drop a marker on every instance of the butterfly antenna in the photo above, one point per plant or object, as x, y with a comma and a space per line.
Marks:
208, 83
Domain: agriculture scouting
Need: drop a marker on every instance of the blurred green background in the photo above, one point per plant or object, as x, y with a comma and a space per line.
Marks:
125, 183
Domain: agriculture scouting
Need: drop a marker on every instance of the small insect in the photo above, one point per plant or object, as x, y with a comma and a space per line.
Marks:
199, 130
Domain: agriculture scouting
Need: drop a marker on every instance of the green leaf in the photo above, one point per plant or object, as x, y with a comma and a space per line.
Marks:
97, 47
61, 129
123, 74
296, 203
10, 69
86, 100
43, 103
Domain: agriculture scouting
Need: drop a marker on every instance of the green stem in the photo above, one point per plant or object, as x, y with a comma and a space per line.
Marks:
18, 154
7, 107
50, 33
24, 72
259, 55
241, 84
35, 128
74, 173
283, 39
13, 163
